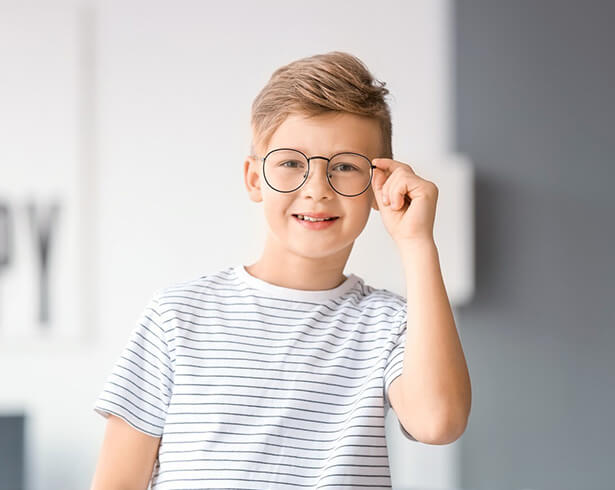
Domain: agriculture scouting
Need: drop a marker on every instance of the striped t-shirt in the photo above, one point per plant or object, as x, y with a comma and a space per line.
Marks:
253, 385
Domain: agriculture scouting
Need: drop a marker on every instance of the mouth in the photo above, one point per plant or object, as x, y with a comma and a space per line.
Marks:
312, 222
315, 217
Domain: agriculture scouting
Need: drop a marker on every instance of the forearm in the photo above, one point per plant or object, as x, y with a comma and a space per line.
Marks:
436, 383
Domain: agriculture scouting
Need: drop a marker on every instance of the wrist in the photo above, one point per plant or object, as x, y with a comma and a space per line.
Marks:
416, 243
417, 249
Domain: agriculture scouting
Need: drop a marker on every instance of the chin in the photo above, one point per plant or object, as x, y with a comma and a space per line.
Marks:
320, 251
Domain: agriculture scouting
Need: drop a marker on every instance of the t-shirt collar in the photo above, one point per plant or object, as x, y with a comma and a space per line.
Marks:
296, 294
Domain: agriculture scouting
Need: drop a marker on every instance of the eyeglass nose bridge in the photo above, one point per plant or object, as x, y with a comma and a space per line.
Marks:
307, 172
318, 156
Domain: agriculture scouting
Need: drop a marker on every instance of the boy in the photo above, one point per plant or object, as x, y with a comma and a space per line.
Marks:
279, 374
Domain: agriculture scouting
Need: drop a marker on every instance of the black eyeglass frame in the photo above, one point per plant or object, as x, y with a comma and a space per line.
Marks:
371, 170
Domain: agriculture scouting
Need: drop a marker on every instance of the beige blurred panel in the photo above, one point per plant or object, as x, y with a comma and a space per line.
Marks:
376, 257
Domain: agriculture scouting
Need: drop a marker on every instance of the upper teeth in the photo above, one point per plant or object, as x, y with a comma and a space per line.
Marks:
308, 218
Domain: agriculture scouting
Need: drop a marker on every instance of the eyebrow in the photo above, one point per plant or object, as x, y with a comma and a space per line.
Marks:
329, 155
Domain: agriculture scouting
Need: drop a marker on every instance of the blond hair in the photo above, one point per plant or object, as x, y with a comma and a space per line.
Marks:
319, 84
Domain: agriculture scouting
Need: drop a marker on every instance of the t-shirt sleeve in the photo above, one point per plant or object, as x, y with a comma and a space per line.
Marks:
139, 387
395, 361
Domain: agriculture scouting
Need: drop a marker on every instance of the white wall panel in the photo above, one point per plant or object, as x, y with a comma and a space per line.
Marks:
151, 131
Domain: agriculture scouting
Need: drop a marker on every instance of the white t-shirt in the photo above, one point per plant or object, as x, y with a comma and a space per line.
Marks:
252, 385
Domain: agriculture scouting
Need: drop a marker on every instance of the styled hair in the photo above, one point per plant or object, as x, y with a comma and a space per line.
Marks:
319, 84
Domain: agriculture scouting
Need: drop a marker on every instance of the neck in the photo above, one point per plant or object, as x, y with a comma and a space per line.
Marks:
293, 271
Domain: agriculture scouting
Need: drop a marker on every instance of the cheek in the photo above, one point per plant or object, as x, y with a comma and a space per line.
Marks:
363, 217
276, 209
362, 208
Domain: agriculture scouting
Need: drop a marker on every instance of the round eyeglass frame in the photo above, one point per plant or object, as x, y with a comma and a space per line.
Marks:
371, 170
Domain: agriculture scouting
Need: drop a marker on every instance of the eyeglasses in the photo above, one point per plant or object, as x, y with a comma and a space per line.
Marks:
348, 173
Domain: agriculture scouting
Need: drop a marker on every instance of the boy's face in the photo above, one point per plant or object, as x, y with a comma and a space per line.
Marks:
322, 135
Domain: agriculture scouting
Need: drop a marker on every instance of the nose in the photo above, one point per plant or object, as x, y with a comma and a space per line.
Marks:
317, 185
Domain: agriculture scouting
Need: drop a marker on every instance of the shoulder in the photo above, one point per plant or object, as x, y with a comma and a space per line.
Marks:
184, 302
373, 305
189, 297
374, 296
223, 279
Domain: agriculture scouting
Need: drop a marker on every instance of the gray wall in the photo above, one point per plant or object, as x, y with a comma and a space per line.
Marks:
535, 112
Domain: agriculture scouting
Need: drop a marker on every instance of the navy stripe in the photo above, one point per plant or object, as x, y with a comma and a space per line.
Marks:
338, 454
286, 362
249, 368
347, 305
285, 398
295, 355
219, 451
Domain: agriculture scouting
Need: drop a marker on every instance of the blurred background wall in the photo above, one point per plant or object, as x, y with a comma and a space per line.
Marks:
140, 99
133, 117
534, 110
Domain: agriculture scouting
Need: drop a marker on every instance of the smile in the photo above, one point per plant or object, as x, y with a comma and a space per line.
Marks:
315, 223
310, 218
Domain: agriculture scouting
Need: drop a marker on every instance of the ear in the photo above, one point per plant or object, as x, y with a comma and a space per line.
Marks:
252, 179
372, 199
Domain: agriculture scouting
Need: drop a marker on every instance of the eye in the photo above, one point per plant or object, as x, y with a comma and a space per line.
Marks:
350, 168
292, 164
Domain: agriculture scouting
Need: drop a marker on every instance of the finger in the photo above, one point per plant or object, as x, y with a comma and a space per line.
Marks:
399, 194
398, 189
384, 194
389, 165
387, 196
378, 179
385, 163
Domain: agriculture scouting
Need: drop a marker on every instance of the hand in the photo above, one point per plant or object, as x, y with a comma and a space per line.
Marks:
407, 203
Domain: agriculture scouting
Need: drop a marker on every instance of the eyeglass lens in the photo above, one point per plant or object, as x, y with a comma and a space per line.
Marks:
286, 170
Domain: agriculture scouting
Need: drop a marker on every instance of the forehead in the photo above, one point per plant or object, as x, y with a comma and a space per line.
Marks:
328, 134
